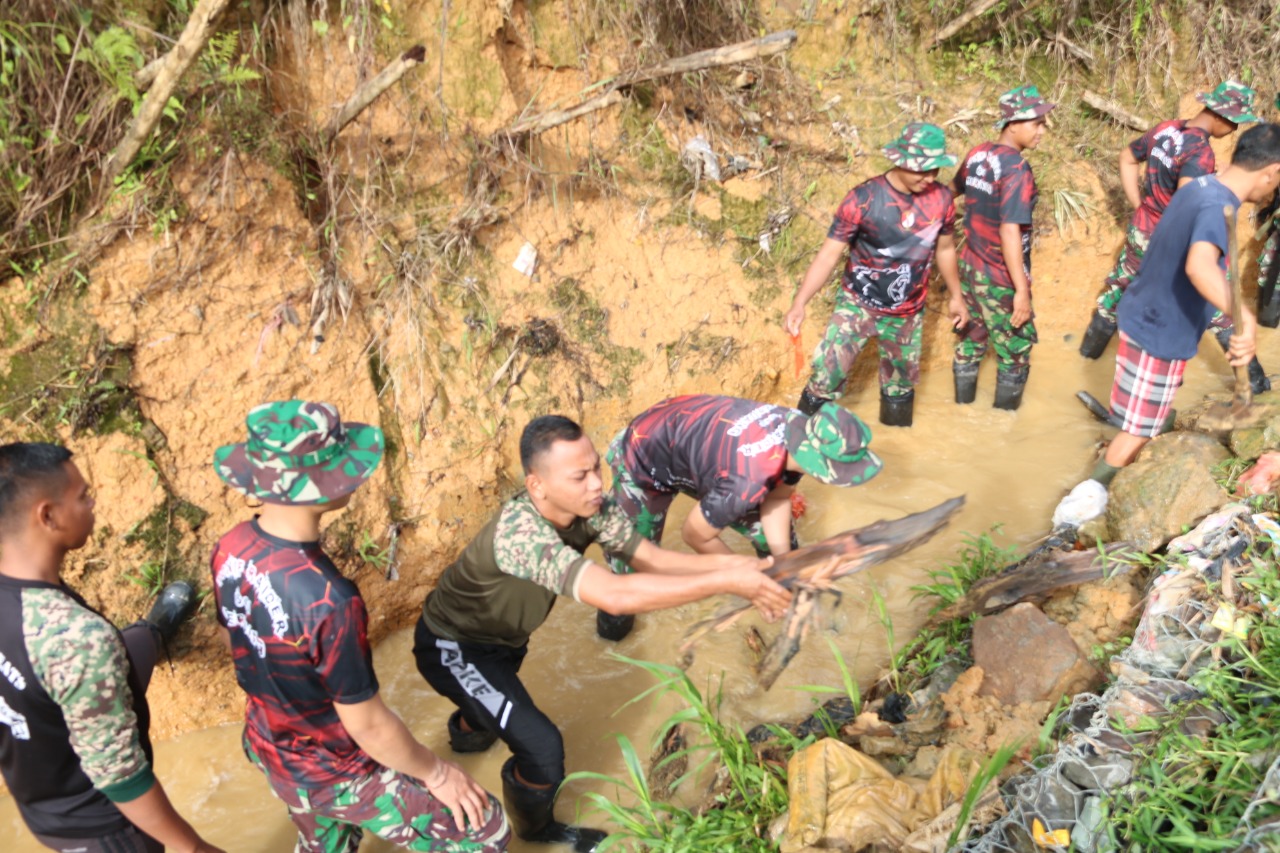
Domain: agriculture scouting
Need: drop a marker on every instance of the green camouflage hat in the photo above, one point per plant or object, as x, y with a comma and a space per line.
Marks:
921, 147
1231, 100
1276, 104
831, 446
299, 453
1022, 104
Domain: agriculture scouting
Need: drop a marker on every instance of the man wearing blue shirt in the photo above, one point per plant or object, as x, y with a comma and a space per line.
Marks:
1182, 281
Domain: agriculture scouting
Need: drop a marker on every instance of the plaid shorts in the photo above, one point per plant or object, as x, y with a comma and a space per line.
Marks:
1142, 393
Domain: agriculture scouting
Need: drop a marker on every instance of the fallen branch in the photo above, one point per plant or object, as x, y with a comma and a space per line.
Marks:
1108, 107
174, 64
974, 11
715, 57
365, 95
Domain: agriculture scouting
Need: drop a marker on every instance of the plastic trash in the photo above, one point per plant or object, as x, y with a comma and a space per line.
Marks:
1212, 535
527, 260
1087, 500
1262, 477
698, 158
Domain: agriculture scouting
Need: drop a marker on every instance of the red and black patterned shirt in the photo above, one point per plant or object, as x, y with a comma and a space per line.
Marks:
727, 452
998, 188
1172, 152
299, 643
892, 236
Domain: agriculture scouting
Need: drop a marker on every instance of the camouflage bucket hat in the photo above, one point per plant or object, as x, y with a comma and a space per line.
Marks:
1231, 100
1022, 104
831, 446
299, 453
920, 147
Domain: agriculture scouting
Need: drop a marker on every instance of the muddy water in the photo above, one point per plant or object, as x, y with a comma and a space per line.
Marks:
1013, 469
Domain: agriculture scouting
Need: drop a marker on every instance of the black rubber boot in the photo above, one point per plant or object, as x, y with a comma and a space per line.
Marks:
966, 381
896, 411
175, 604
1009, 386
460, 740
610, 627
808, 403
530, 811
1097, 336
1258, 380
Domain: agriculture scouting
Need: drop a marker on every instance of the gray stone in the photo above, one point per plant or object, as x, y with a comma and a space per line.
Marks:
1098, 773
1054, 801
1027, 657
1088, 830
1168, 488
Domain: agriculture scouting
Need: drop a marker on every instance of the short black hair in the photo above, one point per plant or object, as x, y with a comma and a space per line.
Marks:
1258, 147
543, 432
25, 465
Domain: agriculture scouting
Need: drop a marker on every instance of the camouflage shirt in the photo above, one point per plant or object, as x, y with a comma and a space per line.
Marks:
505, 583
73, 717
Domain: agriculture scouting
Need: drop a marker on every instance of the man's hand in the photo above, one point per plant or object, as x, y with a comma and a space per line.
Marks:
1243, 345
463, 795
959, 313
792, 320
1021, 309
764, 592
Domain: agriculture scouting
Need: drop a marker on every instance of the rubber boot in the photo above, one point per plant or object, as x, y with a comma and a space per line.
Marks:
1009, 386
530, 811
966, 381
610, 627
1258, 380
896, 411
461, 740
1097, 336
808, 403
175, 604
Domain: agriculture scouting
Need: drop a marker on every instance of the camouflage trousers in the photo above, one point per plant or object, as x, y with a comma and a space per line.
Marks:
648, 509
990, 307
391, 805
1135, 246
1267, 257
850, 328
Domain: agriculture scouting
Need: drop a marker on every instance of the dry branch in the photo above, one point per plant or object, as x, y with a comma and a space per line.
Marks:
715, 57
974, 11
1108, 107
365, 95
175, 63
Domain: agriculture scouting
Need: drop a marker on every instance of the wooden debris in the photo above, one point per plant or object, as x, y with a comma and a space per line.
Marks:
812, 570
981, 7
1108, 107
366, 94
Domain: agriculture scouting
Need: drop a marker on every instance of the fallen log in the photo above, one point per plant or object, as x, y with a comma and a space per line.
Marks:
1108, 107
611, 89
812, 570
1036, 579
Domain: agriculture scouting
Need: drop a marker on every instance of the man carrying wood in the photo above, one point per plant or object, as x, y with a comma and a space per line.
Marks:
891, 227
739, 460
1173, 297
475, 626
995, 268
1176, 152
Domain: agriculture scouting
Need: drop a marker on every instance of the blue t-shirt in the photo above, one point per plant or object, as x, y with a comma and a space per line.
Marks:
1162, 311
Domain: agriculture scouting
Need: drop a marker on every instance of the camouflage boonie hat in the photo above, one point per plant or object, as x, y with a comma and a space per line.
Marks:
831, 446
1022, 104
299, 453
1231, 100
921, 147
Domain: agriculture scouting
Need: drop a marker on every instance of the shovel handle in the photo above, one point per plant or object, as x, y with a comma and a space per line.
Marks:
1243, 390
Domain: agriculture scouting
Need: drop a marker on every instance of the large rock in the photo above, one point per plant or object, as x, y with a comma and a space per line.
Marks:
1027, 657
1169, 487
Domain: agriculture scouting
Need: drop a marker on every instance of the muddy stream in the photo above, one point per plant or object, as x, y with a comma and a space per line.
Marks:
1012, 468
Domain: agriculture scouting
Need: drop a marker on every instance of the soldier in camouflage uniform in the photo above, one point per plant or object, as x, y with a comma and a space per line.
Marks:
995, 267
1268, 303
342, 762
1176, 152
74, 745
475, 626
890, 226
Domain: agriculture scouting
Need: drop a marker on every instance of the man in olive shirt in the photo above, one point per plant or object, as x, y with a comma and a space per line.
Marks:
475, 626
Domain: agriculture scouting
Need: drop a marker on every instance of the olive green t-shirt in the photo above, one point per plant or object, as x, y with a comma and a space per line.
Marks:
505, 583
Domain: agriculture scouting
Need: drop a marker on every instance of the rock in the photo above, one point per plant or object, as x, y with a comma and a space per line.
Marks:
1054, 801
1169, 487
1098, 772
1087, 832
1263, 434
1027, 657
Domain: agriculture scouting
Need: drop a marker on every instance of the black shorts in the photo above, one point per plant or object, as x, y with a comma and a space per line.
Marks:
483, 681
